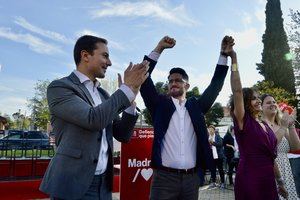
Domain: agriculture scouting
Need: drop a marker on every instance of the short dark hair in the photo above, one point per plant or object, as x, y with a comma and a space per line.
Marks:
87, 43
248, 94
180, 71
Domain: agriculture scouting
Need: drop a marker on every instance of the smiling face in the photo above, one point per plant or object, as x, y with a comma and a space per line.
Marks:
269, 106
98, 62
256, 103
177, 86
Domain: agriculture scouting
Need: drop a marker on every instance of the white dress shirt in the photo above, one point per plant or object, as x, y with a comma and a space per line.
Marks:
92, 88
213, 147
236, 146
180, 141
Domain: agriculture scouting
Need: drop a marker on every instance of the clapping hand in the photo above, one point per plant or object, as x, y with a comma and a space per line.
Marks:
282, 191
285, 119
135, 75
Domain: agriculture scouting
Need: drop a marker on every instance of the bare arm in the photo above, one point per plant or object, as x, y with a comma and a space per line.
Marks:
282, 131
236, 85
293, 138
292, 135
280, 182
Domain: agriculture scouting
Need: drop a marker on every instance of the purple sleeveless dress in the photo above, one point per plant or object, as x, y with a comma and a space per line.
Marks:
255, 179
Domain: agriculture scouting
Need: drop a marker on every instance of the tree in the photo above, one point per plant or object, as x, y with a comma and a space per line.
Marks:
215, 114
162, 88
276, 65
280, 94
294, 39
39, 106
10, 122
193, 93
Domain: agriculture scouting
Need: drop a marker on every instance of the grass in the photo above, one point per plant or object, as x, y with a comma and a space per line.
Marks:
29, 153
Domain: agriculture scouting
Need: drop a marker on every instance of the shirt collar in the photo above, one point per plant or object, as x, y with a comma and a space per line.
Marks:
84, 79
176, 102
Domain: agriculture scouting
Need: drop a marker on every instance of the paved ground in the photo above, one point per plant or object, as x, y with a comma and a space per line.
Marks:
206, 193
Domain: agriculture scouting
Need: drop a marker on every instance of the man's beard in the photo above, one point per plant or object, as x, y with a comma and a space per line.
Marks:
176, 93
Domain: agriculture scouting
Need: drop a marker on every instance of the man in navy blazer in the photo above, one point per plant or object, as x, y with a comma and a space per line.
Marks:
180, 148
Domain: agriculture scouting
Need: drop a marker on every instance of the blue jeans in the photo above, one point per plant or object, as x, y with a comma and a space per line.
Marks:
295, 164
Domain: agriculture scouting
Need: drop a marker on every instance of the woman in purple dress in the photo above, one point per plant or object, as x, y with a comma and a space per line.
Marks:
255, 178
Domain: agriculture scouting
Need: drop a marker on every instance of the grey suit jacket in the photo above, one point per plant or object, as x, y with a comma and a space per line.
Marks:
78, 127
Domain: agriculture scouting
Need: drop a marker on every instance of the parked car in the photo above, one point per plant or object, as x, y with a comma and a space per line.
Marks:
24, 140
12, 132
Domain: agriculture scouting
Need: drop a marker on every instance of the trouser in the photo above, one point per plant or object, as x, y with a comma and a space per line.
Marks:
218, 163
98, 189
173, 186
232, 164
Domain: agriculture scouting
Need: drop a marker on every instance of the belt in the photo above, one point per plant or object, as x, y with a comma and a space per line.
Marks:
178, 171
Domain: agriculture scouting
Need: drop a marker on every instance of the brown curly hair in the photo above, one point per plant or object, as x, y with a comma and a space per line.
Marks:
248, 94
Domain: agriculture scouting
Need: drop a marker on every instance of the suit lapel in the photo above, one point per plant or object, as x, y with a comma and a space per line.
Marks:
103, 94
82, 88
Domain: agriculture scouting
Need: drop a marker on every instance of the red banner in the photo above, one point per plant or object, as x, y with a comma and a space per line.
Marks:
136, 172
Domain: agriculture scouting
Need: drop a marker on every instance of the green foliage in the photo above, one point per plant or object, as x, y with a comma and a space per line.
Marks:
9, 121
193, 93
162, 88
294, 38
39, 105
276, 65
281, 95
147, 116
215, 114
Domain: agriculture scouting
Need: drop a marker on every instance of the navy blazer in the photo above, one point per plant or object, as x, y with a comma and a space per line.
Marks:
162, 108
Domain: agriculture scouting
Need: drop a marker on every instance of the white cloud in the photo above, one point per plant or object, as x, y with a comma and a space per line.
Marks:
5, 89
260, 14
0, 67
48, 34
262, 2
244, 39
189, 39
246, 19
156, 10
159, 75
113, 44
34, 43
12, 104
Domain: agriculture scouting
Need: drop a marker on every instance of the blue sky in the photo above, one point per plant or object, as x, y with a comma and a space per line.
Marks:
37, 39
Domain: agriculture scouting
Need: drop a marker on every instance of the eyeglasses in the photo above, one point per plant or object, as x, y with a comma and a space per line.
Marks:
177, 80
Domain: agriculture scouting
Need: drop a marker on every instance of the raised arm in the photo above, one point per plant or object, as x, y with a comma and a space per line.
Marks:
235, 81
148, 90
210, 94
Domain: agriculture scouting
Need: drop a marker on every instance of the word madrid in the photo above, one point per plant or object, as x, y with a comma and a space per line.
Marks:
138, 163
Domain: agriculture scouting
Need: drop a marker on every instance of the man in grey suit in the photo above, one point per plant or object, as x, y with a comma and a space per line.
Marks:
85, 119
